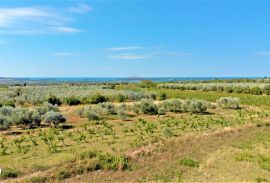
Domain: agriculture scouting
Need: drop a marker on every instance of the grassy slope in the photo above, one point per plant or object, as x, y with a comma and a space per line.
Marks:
215, 151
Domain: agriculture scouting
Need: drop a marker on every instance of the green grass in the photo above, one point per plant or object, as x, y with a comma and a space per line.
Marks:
190, 163
247, 99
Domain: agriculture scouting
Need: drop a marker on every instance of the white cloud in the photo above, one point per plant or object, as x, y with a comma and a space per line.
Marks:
64, 54
80, 9
128, 56
126, 48
66, 29
34, 20
262, 53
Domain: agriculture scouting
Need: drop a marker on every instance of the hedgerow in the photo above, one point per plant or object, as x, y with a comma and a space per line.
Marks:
229, 103
247, 88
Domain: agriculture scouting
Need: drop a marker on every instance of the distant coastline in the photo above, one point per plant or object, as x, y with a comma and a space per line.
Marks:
49, 80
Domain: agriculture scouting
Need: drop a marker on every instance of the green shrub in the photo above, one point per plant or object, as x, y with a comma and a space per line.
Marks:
121, 113
93, 116
197, 106
266, 90
9, 173
147, 106
21, 117
54, 118
163, 96
109, 107
47, 107
5, 123
121, 98
167, 132
54, 100
107, 161
229, 89
229, 103
35, 117
256, 90
37, 179
63, 175
6, 111
189, 162
98, 98
72, 101
161, 111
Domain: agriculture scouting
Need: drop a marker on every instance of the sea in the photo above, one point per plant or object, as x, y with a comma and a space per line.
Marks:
55, 80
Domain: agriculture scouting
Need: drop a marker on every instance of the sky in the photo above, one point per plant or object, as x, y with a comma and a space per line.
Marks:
143, 38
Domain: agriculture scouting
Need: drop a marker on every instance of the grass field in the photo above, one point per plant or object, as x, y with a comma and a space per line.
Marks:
219, 145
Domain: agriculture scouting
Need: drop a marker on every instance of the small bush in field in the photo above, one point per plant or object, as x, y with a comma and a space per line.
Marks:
197, 106
35, 117
54, 100
72, 101
47, 107
5, 123
21, 117
93, 116
6, 111
163, 96
256, 90
190, 163
98, 98
147, 106
9, 173
161, 111
109, 107
168, 132
229, 103
121, 113
54, 118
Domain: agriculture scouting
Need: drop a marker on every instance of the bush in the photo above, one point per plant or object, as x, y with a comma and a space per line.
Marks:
9, 173
197, 106
72, 101
121, 98
35, 117
98, 98
229, 103
168, 132
146, 84
9, 103
93, 116
21, 117
121, 113
54, 100
107, 161
229, 89
266, 90
109, 107
54, 118
173, 105
256, 90
161, 111
5, 123
6, 111
190, 163
63, 175
163, 96
47, 107
147, 106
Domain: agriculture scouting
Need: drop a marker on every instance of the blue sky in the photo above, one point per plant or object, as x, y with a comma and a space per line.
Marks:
50, 38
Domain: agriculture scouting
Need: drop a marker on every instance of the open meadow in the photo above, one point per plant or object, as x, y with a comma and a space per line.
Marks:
135, 132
